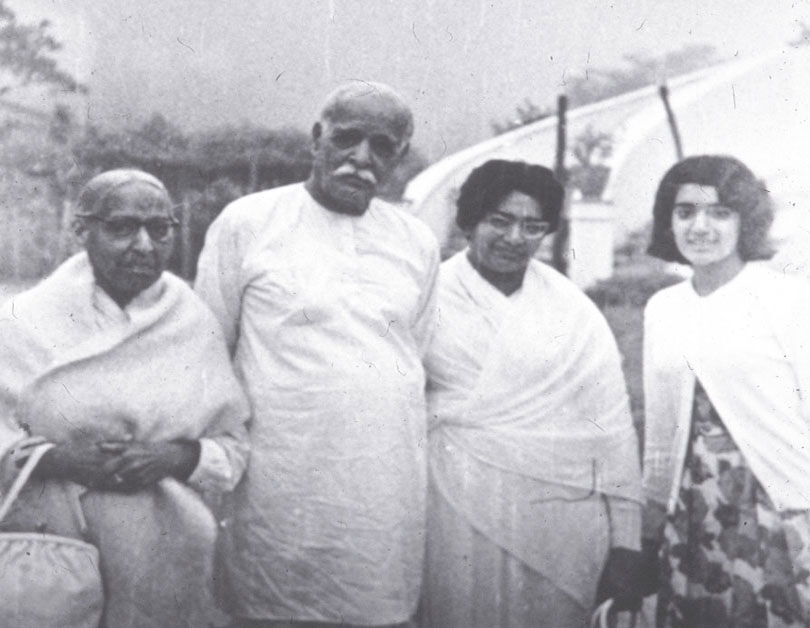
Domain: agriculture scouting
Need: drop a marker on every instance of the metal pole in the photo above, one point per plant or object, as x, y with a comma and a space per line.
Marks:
663, 91
185, 239
559, 250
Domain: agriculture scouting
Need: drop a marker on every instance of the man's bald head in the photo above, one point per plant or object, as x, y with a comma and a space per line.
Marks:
361, 137
371, 95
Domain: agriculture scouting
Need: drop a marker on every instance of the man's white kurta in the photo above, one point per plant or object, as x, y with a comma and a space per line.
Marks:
328, 316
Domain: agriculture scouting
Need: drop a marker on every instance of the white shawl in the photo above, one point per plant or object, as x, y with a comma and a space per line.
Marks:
531, 383
749, 345
78, 368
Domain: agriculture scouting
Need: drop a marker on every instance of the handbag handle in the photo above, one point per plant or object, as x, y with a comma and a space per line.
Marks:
22, 478
599, 619
601, 616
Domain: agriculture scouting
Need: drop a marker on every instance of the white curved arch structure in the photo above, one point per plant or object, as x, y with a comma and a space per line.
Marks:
755, 109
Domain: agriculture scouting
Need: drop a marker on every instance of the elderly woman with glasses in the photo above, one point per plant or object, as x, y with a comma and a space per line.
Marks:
727, 404
534, 476
122, 371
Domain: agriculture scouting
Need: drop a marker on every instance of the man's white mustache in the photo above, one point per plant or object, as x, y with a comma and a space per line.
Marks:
365, 175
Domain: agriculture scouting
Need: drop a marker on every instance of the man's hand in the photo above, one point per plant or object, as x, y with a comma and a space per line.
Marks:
138, 464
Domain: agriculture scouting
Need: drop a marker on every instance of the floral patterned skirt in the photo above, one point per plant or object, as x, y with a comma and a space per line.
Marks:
730, 559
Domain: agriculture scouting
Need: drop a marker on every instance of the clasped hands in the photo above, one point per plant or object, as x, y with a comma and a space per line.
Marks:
125, 466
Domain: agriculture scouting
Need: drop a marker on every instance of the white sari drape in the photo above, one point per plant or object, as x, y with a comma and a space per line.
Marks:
532, 384
527, 388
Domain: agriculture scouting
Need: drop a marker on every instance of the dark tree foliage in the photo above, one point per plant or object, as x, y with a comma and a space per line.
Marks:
203, 170
590, 174
637, 70
27, 55
525, 114
206, 170
252, 156
47, 157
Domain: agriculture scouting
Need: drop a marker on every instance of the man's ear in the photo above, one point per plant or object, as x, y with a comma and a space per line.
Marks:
317, 132
79, 227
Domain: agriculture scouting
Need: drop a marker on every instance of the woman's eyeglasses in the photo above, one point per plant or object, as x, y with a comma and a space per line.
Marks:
159, 229
529, 228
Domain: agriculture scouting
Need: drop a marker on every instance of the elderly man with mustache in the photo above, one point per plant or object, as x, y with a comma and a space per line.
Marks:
326, 294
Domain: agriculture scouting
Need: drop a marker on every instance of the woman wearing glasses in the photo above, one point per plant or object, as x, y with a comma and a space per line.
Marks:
534, 476
119, 370
727, 403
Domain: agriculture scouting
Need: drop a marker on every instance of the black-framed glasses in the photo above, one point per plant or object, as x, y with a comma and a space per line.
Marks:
529, 229
159, 229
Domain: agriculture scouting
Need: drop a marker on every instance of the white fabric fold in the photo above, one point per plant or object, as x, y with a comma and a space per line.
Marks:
530, 421
66, 335
749, 345
532, 383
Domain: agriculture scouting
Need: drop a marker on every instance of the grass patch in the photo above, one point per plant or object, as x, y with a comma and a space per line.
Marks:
627, 323
622, 299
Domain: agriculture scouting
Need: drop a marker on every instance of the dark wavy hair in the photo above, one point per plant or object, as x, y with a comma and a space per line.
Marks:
488, 185
737, 188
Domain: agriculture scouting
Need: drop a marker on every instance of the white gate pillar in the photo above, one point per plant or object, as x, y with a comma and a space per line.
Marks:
591, 245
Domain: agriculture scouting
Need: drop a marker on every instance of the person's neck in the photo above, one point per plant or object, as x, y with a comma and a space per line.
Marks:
329, 203
120, 299
707, 279
508, 283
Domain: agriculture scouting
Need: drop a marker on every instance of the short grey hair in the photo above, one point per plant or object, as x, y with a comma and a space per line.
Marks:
98, 189
356, 90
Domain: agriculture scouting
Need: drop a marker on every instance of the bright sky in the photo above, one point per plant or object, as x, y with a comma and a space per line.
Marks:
461, 64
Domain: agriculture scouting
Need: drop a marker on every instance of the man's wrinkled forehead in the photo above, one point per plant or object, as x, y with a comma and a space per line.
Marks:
371, 109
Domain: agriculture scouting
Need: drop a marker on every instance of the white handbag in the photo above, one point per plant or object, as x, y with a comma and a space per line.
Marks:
47, 581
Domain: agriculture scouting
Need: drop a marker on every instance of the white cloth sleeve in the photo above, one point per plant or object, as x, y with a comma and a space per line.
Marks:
220, 465
425, 322
660, 416
793, 334
218, 277
625, 523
